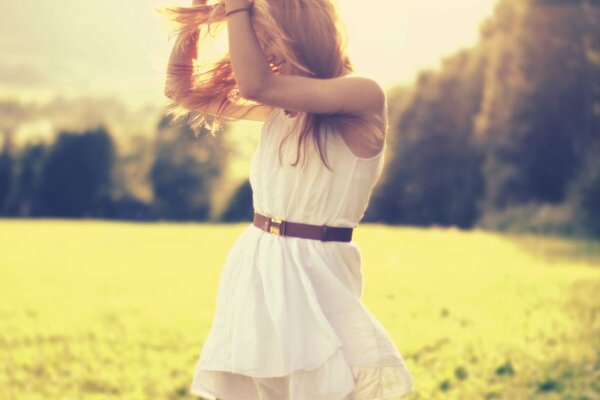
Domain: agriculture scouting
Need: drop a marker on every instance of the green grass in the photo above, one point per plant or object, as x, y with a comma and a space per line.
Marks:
109, 310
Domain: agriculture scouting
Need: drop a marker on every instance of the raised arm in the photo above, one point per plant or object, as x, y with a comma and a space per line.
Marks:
179, 79
183, 54
180, 66
355, 95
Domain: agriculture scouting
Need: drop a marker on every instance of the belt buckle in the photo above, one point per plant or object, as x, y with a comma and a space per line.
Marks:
275, 226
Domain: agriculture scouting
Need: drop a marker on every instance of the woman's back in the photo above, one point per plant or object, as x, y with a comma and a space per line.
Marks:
311, 193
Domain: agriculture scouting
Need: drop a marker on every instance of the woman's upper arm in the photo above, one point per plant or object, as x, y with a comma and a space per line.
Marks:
350, 94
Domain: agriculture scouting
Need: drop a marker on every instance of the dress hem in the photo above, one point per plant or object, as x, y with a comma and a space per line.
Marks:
197, 388
312, 365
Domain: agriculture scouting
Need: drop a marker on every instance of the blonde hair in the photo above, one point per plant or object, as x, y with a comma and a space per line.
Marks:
306, 33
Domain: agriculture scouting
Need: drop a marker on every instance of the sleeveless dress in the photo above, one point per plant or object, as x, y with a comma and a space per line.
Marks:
289, 323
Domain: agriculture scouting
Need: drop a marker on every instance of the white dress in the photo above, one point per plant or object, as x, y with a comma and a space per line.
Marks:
289, 323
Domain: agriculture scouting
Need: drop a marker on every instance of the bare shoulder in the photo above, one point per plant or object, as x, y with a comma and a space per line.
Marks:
367, 138
376, 112
368, 87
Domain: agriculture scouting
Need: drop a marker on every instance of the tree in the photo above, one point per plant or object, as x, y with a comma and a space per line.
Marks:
77, 173
186, 170
240, 207
7, 166
433, 176
25, 199
539, 99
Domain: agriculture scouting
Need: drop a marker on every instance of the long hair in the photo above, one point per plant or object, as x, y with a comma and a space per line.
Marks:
306, 33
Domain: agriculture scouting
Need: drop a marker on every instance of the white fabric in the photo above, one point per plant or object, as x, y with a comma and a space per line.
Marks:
289, 323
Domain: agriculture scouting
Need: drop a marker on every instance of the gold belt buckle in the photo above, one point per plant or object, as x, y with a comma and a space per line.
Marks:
275, 226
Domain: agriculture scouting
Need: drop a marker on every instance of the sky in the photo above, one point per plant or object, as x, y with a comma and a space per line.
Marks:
105, 47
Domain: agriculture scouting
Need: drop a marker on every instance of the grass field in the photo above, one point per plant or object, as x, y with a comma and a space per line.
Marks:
110, 310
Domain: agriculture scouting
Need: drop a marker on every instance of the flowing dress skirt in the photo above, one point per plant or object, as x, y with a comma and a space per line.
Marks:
289, 325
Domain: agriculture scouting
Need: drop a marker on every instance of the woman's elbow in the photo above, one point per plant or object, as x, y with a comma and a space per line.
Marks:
256, 90
177, 94
169, 89
250, 92
175, 88
169, 93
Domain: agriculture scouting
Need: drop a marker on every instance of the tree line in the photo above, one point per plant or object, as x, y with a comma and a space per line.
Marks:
77, 176
506, 135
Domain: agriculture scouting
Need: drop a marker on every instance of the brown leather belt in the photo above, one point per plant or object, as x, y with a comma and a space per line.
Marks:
286, 228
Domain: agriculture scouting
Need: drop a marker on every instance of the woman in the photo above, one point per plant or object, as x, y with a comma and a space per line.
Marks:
289, 322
